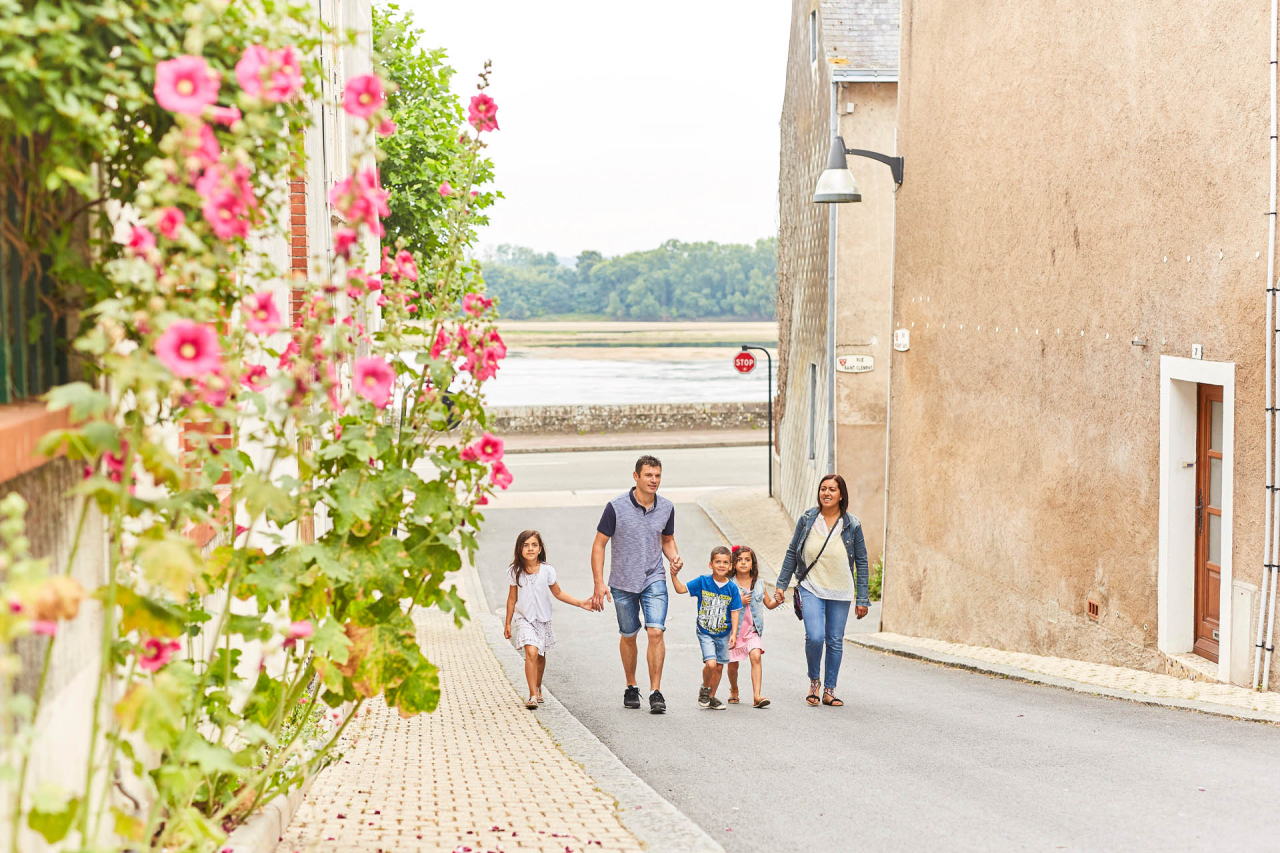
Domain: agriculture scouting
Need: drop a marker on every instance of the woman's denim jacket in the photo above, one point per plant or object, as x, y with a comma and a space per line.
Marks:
854, 545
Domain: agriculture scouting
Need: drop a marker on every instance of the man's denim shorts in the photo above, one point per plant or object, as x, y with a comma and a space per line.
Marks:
714, 648
652, 600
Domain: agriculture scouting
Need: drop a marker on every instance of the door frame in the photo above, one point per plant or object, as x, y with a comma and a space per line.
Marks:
1206, 395
1175, 620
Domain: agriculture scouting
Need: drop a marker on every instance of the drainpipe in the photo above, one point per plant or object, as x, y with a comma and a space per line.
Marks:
1271, 524
832, 222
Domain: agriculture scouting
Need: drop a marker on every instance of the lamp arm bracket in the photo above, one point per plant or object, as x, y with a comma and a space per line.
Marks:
894, 163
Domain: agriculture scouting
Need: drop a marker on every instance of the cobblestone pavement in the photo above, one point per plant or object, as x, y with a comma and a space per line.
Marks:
479, 774
751, 509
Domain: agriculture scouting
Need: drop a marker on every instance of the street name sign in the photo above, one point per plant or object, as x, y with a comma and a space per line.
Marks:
855, 363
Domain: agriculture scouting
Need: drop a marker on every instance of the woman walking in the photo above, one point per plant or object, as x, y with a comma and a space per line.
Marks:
828, 558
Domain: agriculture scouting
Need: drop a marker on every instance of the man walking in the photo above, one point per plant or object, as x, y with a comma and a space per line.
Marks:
642, 526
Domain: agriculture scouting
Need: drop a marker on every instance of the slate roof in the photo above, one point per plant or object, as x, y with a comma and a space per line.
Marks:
861, 35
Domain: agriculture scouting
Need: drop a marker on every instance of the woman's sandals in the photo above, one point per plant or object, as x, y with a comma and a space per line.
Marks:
829, 698
812, 698
733, 697
760, 703
531, 703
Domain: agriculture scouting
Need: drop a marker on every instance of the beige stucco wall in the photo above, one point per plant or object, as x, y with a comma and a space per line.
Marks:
802, 268
1062, 164
864, 270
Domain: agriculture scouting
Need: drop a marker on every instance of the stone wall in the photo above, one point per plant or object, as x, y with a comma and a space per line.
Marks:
654, 417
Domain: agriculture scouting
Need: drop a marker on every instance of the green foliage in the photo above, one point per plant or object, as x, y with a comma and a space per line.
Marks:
877, 578
425, 150
677, 281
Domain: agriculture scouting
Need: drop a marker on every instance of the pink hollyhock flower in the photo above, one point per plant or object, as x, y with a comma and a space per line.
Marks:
228, 200
214, 390
441, 341
343, 239
495, 343
464, 342
261, 317
189, 349
155, 653
286, 81
300, 630
202, 146
115, 462
489, 447
141, 240
501, 476
483, 113
290, 352
373, 283
483, 500
412, 309
255, 377
361, 199
171, 219
475, 193
253, 61
386, 127
476, 304
446, 190
225, 116
364, 96
470, 453
45, 627
186, 85
406, 267
373, 379
381, 302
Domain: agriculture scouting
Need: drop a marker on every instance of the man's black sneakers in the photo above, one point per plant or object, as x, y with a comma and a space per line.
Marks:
657, 705
631, 699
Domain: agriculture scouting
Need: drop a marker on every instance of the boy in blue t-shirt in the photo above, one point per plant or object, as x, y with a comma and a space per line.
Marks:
718, 606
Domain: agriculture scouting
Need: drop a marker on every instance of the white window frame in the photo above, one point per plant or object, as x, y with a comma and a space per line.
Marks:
1176, 571
813, 413
813, 37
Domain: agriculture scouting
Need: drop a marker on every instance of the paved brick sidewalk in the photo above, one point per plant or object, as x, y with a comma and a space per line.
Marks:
479, 774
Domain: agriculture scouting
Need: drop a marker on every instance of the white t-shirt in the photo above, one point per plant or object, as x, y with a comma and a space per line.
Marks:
533, 600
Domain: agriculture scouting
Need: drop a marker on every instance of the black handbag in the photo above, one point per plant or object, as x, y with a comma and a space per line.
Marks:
800, 575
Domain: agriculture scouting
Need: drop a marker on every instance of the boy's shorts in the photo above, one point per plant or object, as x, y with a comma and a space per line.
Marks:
714, 648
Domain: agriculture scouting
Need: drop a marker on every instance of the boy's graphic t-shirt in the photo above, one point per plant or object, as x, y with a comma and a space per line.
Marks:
715, 601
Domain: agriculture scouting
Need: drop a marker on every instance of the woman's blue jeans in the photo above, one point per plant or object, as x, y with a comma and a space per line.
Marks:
824, 623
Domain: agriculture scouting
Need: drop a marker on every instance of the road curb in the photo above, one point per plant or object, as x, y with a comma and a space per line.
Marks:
1030, 677
646, 814
263, 832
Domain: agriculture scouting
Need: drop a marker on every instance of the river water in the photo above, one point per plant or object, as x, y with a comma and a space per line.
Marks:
527, 379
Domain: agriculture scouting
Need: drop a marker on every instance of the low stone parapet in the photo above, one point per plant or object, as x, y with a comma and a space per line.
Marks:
515, 420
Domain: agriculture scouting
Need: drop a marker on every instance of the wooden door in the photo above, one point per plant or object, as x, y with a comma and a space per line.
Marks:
1208, 519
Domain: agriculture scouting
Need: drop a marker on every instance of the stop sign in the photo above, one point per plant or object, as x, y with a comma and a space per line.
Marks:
744, 362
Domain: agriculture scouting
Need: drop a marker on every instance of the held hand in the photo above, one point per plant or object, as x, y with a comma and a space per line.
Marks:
860, 611
600, 594
587, 605
506, 631
676, 563
779, 596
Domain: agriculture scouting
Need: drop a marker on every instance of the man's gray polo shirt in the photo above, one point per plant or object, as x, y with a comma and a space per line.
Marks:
636, 537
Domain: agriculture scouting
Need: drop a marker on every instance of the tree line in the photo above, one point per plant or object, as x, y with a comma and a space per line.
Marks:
676, 281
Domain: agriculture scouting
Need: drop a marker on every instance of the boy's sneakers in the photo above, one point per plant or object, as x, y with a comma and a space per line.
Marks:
657, 704
704, 697
715, 704
631, 699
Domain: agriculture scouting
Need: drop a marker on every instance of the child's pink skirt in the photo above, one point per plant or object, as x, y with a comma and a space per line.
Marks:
742, 650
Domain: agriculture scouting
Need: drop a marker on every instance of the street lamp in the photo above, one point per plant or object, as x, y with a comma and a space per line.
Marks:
769, 393
836, 184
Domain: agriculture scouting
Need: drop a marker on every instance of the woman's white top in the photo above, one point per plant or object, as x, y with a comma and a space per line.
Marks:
533, 599
830, 578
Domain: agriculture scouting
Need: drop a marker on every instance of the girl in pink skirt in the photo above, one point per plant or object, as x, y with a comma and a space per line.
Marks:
528, 622
749, 646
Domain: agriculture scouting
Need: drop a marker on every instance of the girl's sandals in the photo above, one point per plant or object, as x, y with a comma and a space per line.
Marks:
829, 698
733, 697
812, 698
760, 703
531, 703
539, 698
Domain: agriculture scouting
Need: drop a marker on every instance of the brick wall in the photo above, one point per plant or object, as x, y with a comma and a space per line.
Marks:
298, 246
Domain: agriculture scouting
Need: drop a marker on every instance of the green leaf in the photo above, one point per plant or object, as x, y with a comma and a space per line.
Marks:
208, 757
81, 398
52, 812
330, 641
149, 618
170, 562
155, 709
263, 497
418, 693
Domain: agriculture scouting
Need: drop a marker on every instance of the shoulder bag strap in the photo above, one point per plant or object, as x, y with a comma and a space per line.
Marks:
802, 575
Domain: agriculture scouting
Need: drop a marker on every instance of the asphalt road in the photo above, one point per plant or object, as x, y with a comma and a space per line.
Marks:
921, 758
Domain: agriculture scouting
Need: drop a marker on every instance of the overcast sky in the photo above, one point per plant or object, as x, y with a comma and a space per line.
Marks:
624, 124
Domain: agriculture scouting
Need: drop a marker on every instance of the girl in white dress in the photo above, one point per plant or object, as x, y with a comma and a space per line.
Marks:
528, 623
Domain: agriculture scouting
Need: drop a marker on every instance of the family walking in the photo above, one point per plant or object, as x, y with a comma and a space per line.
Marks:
826, 558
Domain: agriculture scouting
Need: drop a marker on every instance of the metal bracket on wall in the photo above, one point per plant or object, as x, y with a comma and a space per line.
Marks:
894, 163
